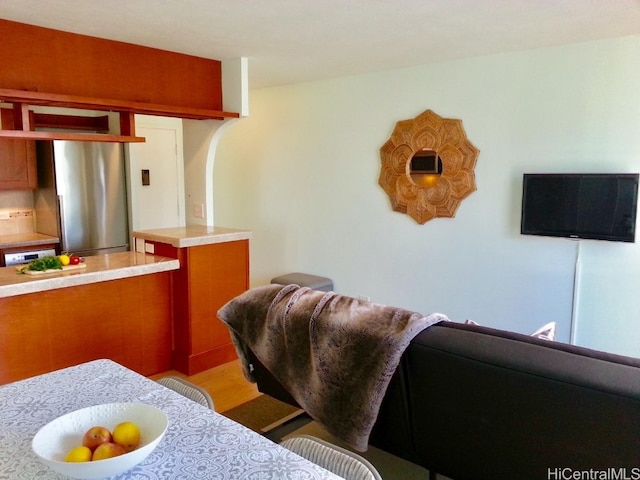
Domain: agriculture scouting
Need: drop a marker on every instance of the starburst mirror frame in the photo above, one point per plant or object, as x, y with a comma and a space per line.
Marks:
441, 192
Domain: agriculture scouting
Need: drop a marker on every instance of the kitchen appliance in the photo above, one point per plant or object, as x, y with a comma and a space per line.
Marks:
18, 258
82, 196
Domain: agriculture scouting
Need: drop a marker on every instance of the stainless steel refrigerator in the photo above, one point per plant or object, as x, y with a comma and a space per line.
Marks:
82, 196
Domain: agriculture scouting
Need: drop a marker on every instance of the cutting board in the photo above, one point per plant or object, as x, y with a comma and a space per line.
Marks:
66, 268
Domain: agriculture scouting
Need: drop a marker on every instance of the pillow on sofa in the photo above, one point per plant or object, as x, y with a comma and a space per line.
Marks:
545, 332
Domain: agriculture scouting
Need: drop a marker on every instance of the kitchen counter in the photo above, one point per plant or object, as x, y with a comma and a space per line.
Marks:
214, 268
118, 307
193, 235
100, 268
26, 240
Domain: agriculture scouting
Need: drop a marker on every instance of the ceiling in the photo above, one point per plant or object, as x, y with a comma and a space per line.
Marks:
291, 41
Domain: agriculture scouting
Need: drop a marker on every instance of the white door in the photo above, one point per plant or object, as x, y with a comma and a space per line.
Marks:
157, 175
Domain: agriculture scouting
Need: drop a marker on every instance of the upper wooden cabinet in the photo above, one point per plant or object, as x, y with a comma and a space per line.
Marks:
44, 60
18, 168
17, 164
62, 69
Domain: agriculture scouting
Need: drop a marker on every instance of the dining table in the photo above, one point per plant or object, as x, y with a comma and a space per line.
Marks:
199, 443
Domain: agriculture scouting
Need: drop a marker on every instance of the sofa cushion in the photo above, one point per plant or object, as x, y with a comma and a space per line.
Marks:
487, 404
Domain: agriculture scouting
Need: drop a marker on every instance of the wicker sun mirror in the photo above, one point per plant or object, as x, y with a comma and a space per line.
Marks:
428, 167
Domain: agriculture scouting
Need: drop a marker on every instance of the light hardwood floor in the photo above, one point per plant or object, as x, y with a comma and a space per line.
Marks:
228, 388
226, 384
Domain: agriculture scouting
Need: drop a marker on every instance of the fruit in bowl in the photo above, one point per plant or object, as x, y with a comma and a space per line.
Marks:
96, 436
55, 442
98, 443
107, 450
79, 454
127, 434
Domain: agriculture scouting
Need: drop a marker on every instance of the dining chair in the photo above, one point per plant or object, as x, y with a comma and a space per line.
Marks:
187, 389
340, 461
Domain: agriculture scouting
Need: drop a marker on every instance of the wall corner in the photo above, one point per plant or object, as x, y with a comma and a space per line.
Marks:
235, 86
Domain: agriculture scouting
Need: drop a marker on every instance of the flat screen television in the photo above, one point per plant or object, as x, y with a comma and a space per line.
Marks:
575, 205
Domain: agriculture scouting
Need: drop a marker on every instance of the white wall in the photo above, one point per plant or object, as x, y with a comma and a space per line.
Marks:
200, 142
301, 172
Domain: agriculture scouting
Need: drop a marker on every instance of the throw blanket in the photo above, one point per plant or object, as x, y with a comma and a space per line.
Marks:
334, 354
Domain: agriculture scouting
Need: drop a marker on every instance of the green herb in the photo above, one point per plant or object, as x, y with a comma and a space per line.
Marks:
44, 263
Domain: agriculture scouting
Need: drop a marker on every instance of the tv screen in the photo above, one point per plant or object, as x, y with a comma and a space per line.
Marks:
594, 206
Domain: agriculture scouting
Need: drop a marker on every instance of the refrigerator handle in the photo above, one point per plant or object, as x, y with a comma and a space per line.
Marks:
63, 227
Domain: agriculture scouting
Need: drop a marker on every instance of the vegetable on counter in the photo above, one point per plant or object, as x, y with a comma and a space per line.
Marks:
42, 264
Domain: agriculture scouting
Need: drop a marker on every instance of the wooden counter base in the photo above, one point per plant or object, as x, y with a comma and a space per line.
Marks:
210, 275
126, 320
191, 364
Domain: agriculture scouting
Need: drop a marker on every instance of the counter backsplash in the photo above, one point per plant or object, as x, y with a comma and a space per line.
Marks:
16, 222
16, 212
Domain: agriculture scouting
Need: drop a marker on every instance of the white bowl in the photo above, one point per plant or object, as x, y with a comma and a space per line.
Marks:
55, 439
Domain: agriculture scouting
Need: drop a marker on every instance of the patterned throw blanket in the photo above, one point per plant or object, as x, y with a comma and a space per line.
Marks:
334, 354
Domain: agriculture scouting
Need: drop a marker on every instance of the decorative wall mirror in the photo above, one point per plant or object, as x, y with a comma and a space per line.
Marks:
428, 167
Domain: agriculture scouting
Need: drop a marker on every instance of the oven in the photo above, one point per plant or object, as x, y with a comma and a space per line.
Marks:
17, 258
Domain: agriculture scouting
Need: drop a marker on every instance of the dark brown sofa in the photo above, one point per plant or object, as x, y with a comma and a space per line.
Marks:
475, 403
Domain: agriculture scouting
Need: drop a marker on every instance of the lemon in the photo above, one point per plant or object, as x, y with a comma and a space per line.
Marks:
64, 259
78, 454
127, 434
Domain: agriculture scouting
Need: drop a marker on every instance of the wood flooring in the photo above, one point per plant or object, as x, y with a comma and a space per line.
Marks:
228, 388
225, 383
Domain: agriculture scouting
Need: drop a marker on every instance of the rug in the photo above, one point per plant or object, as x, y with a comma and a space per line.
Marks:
262, 414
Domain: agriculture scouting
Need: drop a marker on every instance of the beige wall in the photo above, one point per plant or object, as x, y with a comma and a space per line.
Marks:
301, 172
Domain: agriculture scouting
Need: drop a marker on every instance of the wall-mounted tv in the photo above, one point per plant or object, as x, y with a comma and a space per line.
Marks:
594, 205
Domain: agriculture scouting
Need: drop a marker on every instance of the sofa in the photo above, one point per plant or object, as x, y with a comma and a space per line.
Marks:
471, 403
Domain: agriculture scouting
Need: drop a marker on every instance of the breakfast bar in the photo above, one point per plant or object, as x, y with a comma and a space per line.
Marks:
99, 268
118, 307
152, 310
214, 268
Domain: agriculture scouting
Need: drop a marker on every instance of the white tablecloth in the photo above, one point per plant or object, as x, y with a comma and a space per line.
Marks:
199, 443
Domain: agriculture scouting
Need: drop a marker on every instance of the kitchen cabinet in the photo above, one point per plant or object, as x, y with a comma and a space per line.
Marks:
82, 70
18, 168
214, 268
88, 73
118, 307
210, 276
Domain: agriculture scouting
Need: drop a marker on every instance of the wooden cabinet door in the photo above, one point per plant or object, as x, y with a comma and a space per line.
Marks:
18, 168
18, 164
217, 273
209, 276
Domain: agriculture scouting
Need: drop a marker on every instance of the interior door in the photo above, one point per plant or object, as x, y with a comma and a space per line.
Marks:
157, 177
